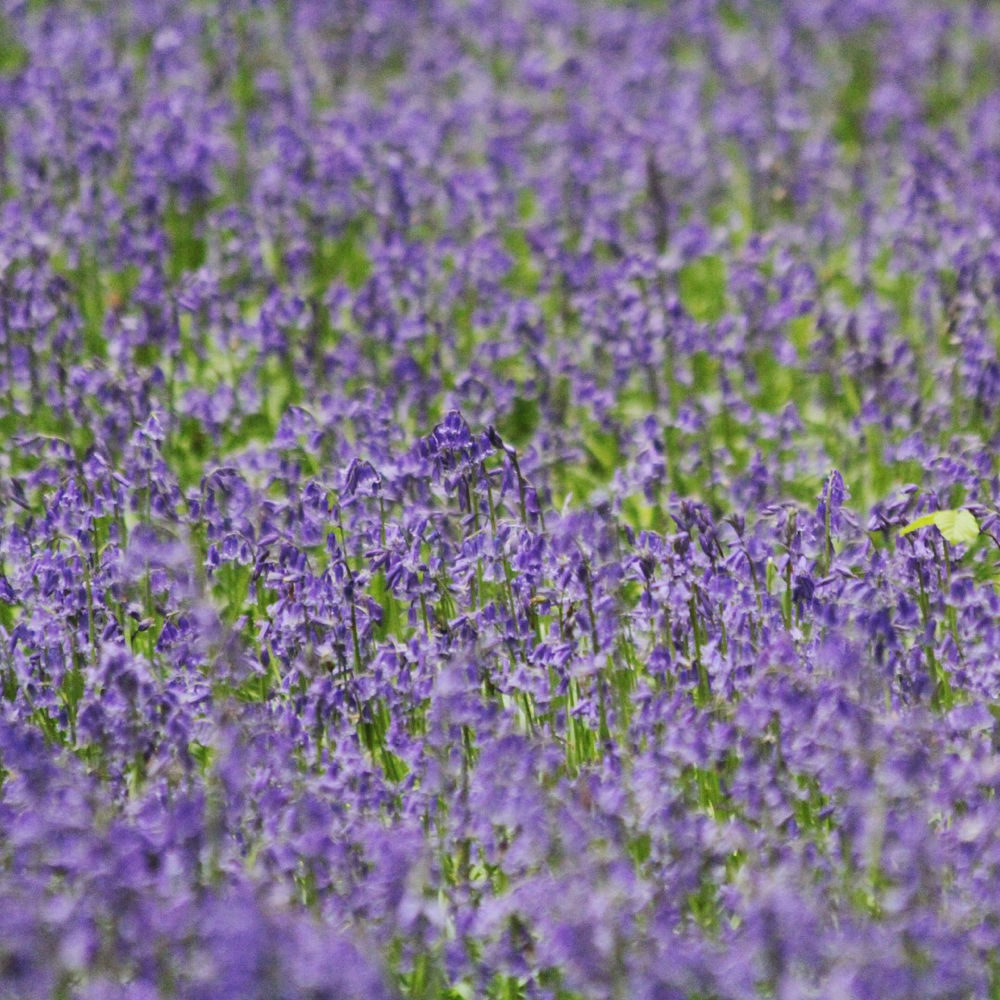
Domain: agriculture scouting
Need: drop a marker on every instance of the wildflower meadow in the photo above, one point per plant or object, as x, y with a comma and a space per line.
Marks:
499, 500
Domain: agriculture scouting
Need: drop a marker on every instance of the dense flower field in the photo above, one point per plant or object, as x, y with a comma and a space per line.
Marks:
456, 463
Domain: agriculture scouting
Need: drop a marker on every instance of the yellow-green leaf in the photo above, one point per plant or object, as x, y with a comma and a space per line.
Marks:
960, 529
958, 526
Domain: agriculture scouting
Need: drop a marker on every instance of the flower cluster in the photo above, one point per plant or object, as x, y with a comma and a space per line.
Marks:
455, 465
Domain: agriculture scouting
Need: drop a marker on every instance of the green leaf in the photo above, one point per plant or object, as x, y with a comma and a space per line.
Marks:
958, 526
519, 425
961, 528
920, 522
343, 257
14, 57
188, 246
603, 454
702, 288
853, 101
778, 383
253, 427
523, 276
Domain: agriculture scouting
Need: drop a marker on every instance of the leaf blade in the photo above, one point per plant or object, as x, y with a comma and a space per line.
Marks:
959, 527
